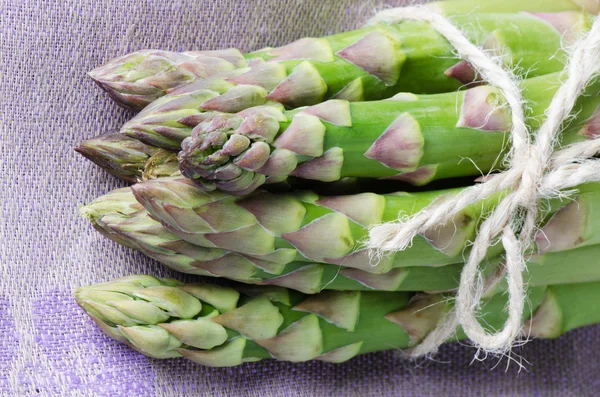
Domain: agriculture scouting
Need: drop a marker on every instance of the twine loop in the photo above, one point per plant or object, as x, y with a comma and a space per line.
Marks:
535, 171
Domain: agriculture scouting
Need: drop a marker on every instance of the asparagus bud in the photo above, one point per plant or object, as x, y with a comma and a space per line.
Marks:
138, 78
129, 159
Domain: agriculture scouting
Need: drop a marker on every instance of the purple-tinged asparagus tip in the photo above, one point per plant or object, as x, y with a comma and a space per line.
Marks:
231, 152
123, 157
138, 78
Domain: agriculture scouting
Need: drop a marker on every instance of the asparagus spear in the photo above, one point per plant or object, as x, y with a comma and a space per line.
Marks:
270, 231
371, 63
118, 216
131, 226
416, 139
441, 157
224, 326
408, 57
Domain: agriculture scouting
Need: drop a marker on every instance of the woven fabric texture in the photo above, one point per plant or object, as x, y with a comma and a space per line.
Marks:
48, 347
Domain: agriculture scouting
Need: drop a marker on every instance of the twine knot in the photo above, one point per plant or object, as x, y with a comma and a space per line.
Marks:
535, 171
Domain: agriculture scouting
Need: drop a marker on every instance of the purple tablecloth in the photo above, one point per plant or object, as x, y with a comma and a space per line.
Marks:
48, 347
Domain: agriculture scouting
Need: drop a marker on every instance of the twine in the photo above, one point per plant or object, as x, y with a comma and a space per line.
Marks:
535, 171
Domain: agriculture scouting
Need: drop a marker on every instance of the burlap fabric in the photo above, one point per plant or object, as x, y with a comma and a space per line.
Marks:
47, 105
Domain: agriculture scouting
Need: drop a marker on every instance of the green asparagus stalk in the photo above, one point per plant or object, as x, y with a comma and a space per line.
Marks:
118, 216
266, 232
223, 326
131, 226
415, 139
365, 64
440, 156
368, 64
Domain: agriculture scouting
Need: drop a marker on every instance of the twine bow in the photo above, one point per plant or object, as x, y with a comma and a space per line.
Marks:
535, 172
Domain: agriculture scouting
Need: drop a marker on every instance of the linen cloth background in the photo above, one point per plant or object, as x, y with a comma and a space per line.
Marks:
48, 347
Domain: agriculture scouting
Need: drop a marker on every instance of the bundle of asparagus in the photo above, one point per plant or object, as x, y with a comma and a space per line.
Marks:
217, 125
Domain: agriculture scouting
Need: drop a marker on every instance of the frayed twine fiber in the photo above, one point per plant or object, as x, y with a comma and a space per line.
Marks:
535, 171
